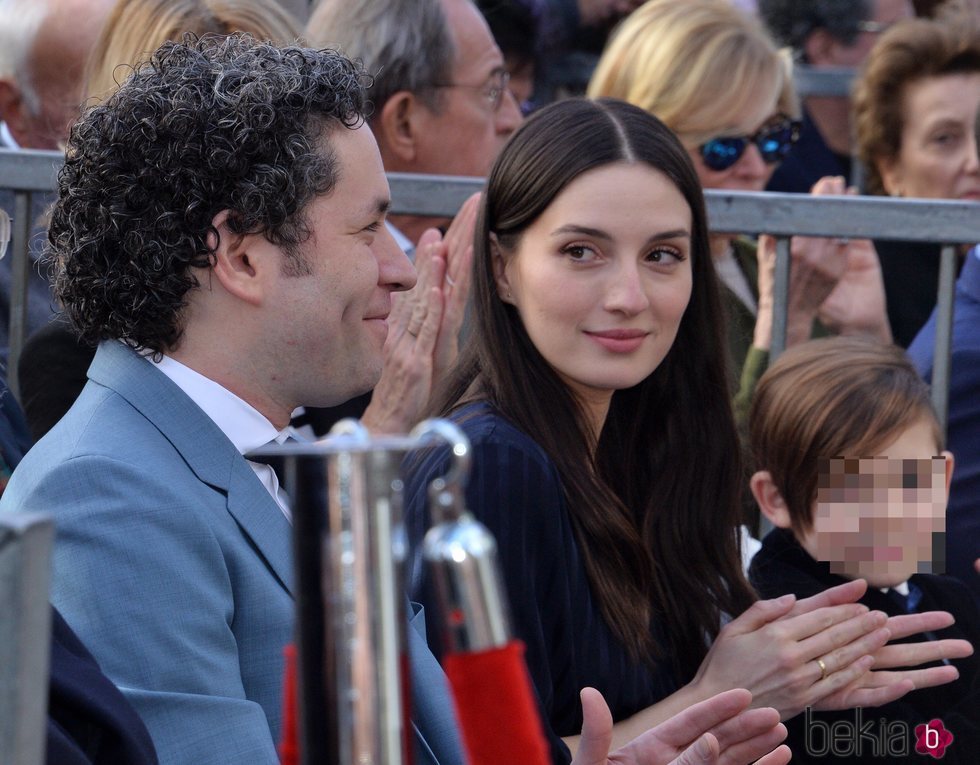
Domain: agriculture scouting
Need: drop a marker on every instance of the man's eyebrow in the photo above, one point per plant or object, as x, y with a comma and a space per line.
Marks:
378, 208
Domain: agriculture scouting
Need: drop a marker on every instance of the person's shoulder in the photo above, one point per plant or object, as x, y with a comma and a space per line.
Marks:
782, 566
101, 447
100, 424
949, 594
490, 431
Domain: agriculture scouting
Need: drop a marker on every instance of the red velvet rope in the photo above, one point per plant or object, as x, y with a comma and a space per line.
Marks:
496, 707
494, 704
289, 744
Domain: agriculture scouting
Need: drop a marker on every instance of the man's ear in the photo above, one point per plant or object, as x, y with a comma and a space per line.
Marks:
12, 110
819, 48
396, 129
500, 276
235, 269
770, 501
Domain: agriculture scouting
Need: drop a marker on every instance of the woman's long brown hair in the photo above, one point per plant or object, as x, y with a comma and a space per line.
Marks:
655, 505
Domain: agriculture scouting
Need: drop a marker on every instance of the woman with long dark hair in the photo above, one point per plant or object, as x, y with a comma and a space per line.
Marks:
594, 390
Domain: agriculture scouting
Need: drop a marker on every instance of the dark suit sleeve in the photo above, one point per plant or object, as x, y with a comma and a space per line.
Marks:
89, 721
514, 490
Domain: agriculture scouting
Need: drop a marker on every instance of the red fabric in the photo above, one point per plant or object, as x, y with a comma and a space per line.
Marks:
289, 744
496, 707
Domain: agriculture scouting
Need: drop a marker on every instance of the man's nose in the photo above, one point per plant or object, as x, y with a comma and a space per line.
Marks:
395, 270
508, 116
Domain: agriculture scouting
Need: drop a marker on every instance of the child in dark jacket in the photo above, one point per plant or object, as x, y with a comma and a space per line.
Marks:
850, 473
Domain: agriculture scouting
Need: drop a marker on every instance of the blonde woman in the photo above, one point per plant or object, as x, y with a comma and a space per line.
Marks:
136, 28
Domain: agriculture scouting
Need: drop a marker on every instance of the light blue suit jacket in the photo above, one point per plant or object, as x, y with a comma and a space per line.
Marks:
173, 564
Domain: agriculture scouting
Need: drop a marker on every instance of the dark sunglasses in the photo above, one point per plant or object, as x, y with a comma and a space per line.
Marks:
774, 140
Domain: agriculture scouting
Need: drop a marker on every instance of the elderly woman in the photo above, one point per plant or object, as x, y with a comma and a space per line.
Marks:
914, 106
713, 74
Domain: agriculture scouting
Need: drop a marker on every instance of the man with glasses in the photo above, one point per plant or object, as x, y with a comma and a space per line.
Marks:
826, 33
441, 99
440, 105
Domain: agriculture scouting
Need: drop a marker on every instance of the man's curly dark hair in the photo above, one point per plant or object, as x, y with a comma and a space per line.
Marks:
206, 125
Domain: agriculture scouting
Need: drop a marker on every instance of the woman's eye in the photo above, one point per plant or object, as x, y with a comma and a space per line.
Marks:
665, 255
579, 252
945, 139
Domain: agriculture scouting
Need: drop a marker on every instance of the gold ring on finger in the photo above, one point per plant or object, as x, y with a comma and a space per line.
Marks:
823, 669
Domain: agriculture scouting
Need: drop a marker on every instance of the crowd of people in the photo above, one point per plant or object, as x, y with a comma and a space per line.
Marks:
220, 272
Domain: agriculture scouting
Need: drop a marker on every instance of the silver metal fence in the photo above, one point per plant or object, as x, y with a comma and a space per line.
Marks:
823, 81
25, 635
782, 215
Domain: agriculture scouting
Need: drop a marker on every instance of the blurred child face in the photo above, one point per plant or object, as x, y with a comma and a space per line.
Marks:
882, 518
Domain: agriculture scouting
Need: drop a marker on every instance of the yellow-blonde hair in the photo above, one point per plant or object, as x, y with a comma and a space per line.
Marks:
694, 64
136, 28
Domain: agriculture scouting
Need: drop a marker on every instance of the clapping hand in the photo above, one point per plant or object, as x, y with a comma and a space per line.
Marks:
721, 729
424, 325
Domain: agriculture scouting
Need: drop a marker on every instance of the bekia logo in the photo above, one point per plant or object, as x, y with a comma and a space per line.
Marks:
932, 738
874, 738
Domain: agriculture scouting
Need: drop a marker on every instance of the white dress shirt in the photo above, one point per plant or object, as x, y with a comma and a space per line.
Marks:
6, 139
243, 424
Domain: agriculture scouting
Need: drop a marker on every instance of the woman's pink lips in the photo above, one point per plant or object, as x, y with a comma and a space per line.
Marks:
619, 340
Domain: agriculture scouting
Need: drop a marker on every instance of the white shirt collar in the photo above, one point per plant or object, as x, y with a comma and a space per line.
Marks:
901, 588
245, 426
6, 139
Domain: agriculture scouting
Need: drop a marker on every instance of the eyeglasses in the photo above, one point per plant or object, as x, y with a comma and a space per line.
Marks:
874, 27
774, 140
492, 90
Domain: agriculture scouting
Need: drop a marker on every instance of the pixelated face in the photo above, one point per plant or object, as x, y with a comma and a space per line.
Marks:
883, 517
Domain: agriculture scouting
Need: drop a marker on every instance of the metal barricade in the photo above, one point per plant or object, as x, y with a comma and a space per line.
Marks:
834, 81
782, 215
25, 636
25, 173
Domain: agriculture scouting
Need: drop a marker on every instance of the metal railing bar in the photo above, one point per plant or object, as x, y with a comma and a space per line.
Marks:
823, 81
781, 215
19, 272
780, 298
942, 355
885, 218
30, 169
